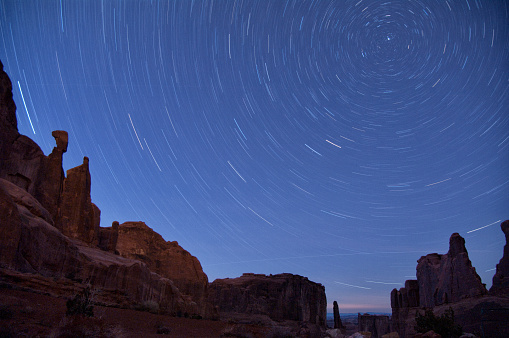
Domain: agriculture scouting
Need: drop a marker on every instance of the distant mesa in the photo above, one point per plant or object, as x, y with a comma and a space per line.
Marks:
270, 298
450, 280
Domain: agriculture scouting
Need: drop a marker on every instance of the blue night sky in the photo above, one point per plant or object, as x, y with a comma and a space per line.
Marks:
338, 140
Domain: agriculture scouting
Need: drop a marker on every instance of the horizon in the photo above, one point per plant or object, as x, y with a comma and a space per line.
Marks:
336, 141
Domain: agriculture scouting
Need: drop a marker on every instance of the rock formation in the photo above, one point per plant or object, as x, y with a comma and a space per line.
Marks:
108, 238
501, 278
448, 278
280, 297
49, 227
337, 319
168, 259
78, 217
450, 281
377, 325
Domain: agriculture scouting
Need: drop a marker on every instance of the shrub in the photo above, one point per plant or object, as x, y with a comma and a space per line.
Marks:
443, 325
81, 304
162, 329
148, 306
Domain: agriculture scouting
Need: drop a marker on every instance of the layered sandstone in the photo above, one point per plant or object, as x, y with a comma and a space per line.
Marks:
78, 217
280, 297
35, 246
138, 241
49, 227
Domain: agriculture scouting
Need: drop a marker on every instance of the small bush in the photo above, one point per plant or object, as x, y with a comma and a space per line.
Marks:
81, 304
162, 329
148, 306
443, 325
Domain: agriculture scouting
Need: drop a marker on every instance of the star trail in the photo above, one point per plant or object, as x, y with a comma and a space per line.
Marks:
338, 140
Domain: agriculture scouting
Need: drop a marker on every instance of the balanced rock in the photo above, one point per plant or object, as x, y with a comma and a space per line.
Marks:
448, 278
280, 297
501, 278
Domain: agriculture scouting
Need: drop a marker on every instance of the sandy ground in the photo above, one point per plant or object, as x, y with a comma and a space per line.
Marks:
24, 313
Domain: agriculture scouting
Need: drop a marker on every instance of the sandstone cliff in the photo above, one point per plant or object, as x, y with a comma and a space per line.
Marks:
168, 259
280, 297
50, 227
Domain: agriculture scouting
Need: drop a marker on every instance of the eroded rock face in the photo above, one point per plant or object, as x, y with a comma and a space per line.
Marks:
448, 278
33, 245
281, 297
10, 228
168, 259
78, 217
8, 122
49, 226
108, 238
501, 278
22, 161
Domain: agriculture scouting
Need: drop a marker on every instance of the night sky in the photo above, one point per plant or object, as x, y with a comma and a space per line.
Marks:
338, 140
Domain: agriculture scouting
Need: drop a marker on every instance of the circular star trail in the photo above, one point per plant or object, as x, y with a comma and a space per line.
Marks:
339, 140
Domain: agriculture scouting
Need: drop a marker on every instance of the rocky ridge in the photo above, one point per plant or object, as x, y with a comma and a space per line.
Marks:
450, 281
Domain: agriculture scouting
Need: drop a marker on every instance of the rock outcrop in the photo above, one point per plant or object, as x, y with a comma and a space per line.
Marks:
450, 281
500, 284
49, 227
337, 318
280, 297
37, 247
168, 259
448, 278
377, 325
108, 237
78, 217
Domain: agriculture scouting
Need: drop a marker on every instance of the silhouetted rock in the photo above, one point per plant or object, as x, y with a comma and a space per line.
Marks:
8, 121
337, 318
450, 282
168, 259
501, 278
448, 278
280, 297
